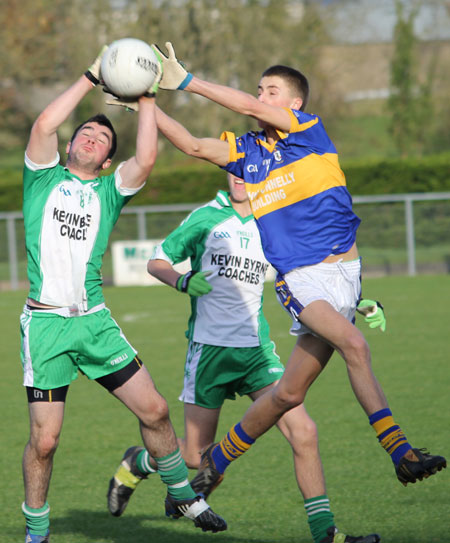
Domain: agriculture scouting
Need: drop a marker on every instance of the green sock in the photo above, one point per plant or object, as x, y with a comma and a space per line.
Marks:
143, 463
320, 517
174, 473
37, 520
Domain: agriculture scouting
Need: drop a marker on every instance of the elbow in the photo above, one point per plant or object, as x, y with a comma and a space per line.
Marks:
44, 124
147, 161
251, 106
194, 149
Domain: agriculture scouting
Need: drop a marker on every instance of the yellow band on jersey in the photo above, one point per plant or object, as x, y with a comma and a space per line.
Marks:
233, 156
294, 183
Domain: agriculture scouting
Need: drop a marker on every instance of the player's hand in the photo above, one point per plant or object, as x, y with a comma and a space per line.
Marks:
113, 100
373, 313
158, 77
194, 283
93, 72
175, 76
129, 105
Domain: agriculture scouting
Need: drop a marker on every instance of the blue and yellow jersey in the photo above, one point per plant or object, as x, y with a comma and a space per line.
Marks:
297, 191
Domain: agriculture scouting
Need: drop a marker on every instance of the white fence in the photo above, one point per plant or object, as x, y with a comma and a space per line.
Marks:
12, 266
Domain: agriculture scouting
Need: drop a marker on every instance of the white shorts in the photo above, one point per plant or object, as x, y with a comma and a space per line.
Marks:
338, 283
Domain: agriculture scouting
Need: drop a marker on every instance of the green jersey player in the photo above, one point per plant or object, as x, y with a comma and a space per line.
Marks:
69, 213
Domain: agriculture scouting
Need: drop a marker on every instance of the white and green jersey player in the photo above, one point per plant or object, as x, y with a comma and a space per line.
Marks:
68, 221
67, 226
229, 346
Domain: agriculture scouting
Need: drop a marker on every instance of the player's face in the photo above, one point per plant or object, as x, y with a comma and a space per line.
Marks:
274, 91
91, 146
238, 192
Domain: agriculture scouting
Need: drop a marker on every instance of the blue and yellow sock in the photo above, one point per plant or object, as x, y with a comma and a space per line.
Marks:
174, 474
320, 517
232, 446
389, 434
37, 520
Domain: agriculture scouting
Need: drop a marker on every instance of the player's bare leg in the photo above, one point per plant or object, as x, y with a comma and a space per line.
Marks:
301, 432
340, 333
139, 394
307, 360
200, 426
46, 419
45, 426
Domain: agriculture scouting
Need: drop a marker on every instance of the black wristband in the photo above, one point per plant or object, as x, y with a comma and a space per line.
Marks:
91, 78
183, 281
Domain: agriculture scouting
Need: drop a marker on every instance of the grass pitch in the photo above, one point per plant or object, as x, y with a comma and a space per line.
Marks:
259, 497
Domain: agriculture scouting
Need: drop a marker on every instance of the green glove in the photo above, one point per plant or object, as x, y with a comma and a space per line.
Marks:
158, 76
175, 76
194, 283
373, 312
93, 72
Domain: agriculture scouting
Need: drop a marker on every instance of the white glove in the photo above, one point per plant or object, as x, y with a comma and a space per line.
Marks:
113, 100
175, 76
93, 72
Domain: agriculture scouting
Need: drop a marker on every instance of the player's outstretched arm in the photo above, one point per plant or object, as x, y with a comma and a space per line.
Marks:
43, 143
177, 77
210, 149
137, 168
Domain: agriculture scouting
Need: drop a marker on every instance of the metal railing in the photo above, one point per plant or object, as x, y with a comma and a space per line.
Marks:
141, 213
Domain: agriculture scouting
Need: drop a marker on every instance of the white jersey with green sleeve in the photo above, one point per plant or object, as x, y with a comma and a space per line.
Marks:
67, 225
218, 239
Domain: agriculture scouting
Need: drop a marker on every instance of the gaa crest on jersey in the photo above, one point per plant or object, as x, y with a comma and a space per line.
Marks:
277, 156
65, 190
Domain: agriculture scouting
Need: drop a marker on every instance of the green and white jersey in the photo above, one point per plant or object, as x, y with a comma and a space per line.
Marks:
67, 225
218, 239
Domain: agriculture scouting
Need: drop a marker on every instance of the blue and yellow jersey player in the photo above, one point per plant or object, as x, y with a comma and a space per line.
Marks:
297, 191
308, 231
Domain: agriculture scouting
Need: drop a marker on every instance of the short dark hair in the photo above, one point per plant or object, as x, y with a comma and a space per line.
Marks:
295, 79
102, 120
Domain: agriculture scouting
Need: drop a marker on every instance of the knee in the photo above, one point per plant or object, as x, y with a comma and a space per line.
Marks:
356, 349
300, 430
306, 433
156, 412
285, 399
44, 445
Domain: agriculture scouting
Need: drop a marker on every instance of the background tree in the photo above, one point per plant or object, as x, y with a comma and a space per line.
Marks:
410, 101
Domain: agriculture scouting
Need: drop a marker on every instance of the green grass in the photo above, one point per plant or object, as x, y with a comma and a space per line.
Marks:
259, 497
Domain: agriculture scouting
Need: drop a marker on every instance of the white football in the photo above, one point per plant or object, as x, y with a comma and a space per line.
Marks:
129, 67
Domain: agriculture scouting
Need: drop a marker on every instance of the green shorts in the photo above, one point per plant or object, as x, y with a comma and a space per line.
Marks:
54, 348
213, 374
